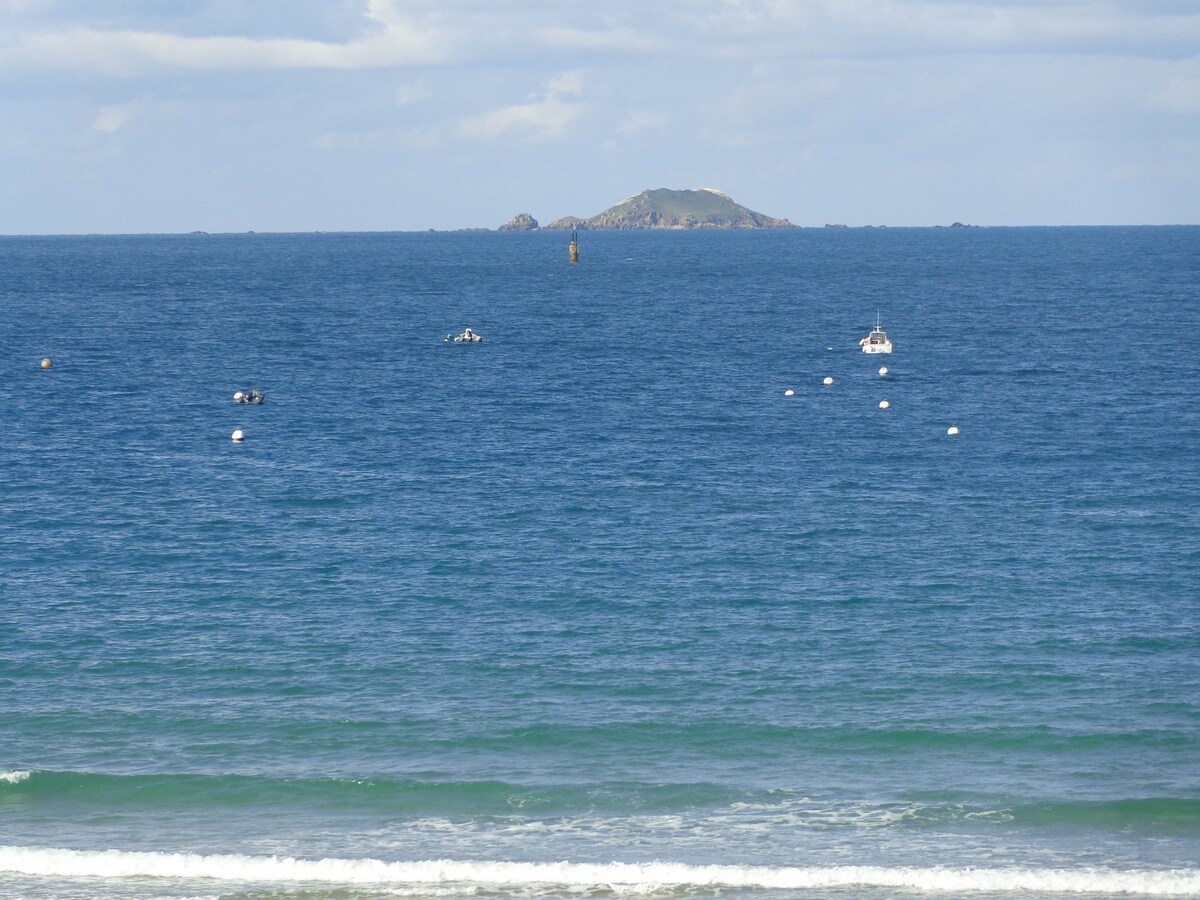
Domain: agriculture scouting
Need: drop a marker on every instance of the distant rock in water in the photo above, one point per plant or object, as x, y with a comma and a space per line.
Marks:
663, 208
520, 222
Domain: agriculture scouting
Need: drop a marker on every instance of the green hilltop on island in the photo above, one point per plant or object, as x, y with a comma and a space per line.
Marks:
661, 208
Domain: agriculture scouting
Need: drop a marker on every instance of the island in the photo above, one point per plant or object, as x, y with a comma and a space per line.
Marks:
660, 208
521, 222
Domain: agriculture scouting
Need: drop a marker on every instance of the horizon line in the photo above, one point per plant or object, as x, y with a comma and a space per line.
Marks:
957, 226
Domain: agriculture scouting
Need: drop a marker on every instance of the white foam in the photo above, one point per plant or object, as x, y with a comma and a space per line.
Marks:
14, 777
626, 877
809, 813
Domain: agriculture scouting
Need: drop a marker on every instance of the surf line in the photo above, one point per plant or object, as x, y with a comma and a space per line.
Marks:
646, 877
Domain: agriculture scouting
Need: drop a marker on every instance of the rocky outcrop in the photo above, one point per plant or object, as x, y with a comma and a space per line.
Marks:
664, 208
520, 222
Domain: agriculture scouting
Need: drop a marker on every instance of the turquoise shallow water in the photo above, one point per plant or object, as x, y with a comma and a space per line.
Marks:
594, 607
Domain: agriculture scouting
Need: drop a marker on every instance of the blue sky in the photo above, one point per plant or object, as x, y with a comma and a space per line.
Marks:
346, 115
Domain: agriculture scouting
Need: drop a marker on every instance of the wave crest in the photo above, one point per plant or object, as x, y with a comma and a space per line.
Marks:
639, 877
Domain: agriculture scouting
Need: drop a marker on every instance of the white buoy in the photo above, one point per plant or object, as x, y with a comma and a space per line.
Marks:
883, 404
828, 380
47, 363
953, 429
883, 370
238, 436
789, 393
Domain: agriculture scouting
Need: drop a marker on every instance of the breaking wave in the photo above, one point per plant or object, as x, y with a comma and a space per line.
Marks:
637, 877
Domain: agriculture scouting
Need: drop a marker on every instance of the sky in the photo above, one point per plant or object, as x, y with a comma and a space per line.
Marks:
134, 116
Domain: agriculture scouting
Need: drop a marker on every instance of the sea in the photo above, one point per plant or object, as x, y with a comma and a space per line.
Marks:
624, 601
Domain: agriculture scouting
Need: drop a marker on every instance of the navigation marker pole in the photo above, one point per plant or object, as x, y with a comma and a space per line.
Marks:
573, 251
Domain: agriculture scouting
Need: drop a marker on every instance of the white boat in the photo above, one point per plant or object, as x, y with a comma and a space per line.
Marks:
877, 341
467, 337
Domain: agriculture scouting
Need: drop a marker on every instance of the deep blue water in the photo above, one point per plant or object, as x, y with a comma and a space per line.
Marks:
596, 594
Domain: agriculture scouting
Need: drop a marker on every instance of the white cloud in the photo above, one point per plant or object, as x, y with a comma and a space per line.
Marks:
567, 83
756, 28
384, 12
112, 119
543, 120
635, 122
419, 32
390, 40
409, 94
891, 110
624, 39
